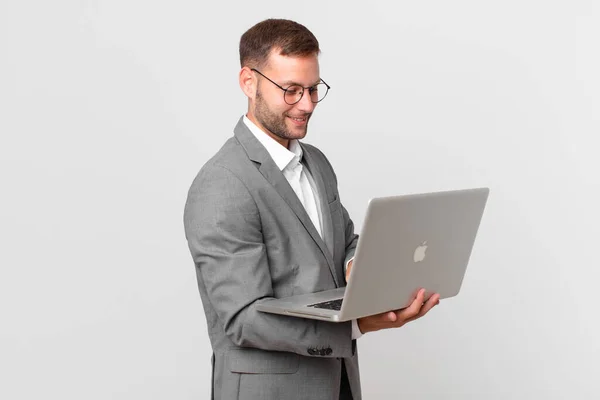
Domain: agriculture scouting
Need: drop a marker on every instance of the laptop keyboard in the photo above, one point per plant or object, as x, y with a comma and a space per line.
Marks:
329, 305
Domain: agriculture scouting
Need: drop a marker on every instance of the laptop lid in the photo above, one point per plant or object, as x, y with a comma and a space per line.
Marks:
412, 241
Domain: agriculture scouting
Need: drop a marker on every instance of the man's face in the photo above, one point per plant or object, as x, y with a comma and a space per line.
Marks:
270, 110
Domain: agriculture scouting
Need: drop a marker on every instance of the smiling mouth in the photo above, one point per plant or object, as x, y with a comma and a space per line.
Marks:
298, 119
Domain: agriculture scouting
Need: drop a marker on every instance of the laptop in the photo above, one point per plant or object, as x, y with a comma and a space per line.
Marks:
406, 243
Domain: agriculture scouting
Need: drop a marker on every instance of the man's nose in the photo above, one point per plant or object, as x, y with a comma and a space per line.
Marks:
305, 104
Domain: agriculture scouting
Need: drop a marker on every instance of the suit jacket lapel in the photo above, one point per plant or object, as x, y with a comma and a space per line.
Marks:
311, 164
256, 152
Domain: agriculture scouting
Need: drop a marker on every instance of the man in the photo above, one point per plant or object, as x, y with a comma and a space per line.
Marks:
263, 219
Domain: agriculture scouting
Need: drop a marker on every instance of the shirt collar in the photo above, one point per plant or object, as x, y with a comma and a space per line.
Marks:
282, 156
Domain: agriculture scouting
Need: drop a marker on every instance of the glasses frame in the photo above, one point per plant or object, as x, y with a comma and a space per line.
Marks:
309, 88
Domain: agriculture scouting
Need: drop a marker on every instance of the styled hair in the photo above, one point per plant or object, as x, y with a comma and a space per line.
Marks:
289, 37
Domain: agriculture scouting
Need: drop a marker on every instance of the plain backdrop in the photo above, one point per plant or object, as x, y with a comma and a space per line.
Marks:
108, 109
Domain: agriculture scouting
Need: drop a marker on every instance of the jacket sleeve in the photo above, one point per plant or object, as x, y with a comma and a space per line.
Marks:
351, 237
224, 234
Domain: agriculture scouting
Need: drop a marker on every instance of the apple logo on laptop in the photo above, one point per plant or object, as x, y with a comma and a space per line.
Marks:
420, 252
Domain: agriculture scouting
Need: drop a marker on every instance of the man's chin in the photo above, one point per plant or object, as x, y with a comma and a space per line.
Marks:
297, 136
295, 132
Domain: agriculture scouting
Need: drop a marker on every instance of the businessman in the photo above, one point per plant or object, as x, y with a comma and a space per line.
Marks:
263, 219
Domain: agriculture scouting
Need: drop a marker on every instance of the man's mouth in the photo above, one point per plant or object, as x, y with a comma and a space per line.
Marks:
298, 119
300, 122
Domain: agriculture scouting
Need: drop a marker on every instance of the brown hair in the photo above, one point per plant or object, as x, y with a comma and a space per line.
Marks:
291, 38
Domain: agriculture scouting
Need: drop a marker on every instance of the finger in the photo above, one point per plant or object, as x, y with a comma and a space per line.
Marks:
413, 309
433, 301
417, 303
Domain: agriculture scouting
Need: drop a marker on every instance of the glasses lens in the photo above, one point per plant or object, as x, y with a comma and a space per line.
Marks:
293, 94
318, 92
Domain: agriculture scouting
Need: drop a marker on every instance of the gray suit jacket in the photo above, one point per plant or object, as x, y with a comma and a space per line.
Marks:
251, 239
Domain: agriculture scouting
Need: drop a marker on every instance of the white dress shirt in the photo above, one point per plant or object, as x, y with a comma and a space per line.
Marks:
299, 178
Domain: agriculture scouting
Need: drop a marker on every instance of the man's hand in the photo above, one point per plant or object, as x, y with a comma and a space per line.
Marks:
348, 270
395, 319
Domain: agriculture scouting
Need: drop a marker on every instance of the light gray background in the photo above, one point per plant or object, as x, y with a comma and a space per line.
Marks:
109, 108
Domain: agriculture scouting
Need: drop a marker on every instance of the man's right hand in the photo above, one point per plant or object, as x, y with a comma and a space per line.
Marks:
398, 318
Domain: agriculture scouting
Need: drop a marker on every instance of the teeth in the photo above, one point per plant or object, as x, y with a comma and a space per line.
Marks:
298, 119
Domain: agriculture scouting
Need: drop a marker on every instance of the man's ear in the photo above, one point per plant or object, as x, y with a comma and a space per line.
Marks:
248, 82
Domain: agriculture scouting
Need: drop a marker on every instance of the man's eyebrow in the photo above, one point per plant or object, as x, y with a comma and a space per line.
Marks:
290, 83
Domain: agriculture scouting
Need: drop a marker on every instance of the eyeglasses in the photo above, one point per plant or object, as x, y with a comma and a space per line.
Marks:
293, 94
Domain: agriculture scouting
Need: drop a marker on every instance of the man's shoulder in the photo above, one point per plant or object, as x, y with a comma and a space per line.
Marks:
231, 156
230, 162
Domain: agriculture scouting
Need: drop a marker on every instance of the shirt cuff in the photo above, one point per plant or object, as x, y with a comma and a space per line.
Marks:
356, 333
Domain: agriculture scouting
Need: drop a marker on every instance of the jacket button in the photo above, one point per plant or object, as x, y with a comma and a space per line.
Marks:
311, 352
328, 351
